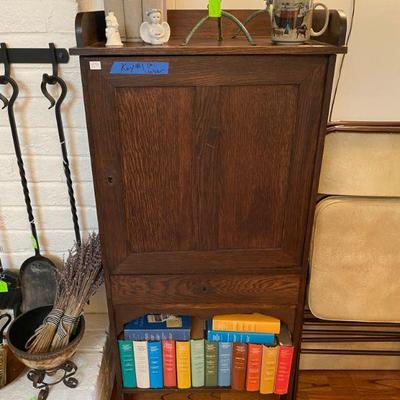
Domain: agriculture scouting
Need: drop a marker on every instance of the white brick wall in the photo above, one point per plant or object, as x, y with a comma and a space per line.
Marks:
35, 23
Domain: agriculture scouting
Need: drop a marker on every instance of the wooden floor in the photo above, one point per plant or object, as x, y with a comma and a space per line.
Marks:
349, 385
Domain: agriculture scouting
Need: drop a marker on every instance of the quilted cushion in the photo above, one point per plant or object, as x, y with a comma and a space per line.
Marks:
357, 164
355, 260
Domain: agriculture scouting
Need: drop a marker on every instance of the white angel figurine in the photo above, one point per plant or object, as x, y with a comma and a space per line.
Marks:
155, 32
112, 31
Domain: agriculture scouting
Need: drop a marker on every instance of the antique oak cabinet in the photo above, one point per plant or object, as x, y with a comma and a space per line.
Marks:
205, 172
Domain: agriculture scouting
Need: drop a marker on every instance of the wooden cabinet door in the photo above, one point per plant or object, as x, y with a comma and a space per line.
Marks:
207, 168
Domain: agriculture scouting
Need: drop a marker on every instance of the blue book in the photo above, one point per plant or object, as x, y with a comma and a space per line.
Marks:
158, 327
155, 365
224, 364
241, 337
126, 358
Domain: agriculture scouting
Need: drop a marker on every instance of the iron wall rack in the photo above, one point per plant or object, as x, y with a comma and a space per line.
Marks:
33, 56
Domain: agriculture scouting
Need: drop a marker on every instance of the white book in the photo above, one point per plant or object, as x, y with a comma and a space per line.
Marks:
141, 364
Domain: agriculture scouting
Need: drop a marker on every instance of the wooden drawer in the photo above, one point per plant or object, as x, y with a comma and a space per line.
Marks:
276, 289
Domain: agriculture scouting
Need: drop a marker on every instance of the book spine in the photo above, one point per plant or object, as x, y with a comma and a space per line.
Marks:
197, 362
183, 365
155, 365
268, 369
141, 364
241, 337
127, 363
284, 367
224, 364
157, 335
233, 324
211, 356
169, 363
254, 368
239, 365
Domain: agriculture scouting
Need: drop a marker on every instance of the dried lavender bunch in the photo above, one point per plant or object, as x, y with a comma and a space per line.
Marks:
41, 340
77, 280
88, 277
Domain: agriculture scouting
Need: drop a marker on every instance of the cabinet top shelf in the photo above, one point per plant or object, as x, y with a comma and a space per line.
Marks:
90, 36
238, 46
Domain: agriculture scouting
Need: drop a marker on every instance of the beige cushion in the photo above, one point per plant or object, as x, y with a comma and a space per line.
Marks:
355, 260
357, 164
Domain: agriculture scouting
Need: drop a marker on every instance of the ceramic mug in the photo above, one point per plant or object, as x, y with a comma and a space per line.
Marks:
292, 21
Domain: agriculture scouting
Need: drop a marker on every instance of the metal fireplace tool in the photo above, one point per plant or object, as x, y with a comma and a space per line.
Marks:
44, 56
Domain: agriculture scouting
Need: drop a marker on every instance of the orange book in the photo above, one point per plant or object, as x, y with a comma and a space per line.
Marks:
258, 323
254, 359
268, 369
183, 365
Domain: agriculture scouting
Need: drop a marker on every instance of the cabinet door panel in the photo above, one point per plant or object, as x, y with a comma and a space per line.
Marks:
209, 173
254, 152
157, 144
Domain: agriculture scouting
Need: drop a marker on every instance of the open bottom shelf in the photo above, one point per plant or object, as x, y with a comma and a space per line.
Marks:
195, 394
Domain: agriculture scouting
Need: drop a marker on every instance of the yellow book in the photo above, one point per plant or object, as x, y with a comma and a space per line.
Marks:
183, 365
259, 323
268, 369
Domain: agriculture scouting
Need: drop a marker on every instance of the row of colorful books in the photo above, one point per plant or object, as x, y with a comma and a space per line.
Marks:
161, 351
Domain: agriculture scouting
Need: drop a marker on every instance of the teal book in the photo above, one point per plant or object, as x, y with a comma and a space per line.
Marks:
155, 365
197, 360
126, 357
224, 364
211, 356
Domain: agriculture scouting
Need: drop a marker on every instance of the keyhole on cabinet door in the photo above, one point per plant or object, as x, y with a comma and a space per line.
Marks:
204, 289
110, 180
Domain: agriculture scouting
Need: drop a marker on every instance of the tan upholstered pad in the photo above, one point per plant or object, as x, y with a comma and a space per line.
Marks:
355, 260
357, 164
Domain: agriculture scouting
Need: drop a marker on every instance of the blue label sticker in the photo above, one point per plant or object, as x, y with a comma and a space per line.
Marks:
140, 68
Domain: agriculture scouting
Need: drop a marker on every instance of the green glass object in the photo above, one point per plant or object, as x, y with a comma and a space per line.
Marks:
3, 287
214, 8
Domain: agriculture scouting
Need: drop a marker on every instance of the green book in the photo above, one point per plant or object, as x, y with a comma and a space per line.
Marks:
211, 350
126, 357
197, 361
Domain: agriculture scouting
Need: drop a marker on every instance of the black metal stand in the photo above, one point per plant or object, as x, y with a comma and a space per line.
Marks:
224, 14
37, 377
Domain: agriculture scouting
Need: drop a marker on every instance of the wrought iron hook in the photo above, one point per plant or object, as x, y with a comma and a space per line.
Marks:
53, 80
7, 80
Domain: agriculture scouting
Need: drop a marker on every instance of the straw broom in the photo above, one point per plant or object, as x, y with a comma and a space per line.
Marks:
41, 340
87, 279
78, 279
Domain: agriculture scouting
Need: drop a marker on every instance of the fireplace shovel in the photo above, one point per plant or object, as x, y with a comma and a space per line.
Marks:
37, 274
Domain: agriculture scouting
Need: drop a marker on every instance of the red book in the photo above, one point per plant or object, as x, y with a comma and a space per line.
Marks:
169, 363
239, 364
285, 361
254, 359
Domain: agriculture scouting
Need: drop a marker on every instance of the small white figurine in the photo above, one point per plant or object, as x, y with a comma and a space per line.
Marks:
112, 31
155, 32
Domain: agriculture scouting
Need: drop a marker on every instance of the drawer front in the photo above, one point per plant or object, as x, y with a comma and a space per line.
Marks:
206, 289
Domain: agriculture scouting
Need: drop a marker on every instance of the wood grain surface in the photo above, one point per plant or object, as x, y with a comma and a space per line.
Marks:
206, 180
277, 289
324, 385
349, 385
90, 35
